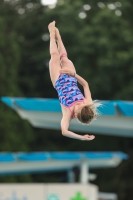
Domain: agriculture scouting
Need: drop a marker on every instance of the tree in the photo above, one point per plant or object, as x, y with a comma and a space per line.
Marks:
15, 135
98, 38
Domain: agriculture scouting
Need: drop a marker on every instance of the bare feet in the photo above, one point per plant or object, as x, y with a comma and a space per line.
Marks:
51, 28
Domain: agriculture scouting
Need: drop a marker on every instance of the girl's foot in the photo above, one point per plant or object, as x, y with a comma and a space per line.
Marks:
51, 28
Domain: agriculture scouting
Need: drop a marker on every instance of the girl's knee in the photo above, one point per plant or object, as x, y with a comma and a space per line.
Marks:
55, 58
54, 54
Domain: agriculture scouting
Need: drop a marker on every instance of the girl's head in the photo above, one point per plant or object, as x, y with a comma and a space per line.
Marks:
87, 113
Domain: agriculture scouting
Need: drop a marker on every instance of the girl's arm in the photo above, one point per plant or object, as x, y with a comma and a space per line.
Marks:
82, 81
85, 85
65, 132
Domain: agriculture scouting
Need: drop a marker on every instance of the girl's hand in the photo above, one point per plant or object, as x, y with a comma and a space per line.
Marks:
67, 71
88, 137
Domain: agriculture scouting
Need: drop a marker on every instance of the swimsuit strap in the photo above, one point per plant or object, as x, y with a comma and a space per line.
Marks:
72, 114
63, 55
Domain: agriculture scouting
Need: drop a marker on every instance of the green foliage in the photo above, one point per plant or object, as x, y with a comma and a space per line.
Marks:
15, 135
100, 46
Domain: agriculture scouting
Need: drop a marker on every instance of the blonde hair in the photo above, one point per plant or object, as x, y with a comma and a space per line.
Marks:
89, 112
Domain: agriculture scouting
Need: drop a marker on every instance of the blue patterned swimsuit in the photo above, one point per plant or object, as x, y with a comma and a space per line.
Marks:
68, 91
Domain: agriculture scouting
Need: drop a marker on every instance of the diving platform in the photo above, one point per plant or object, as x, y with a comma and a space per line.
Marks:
116, 116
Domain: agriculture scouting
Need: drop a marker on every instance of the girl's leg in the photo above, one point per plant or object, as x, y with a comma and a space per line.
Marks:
54, 64
65, 62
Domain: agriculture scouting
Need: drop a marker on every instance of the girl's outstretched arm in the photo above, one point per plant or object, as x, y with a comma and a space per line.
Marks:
65, 132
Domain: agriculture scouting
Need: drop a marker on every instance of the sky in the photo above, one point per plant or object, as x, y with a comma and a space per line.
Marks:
48, 2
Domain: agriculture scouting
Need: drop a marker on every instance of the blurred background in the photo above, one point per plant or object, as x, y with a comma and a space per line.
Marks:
99, 39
